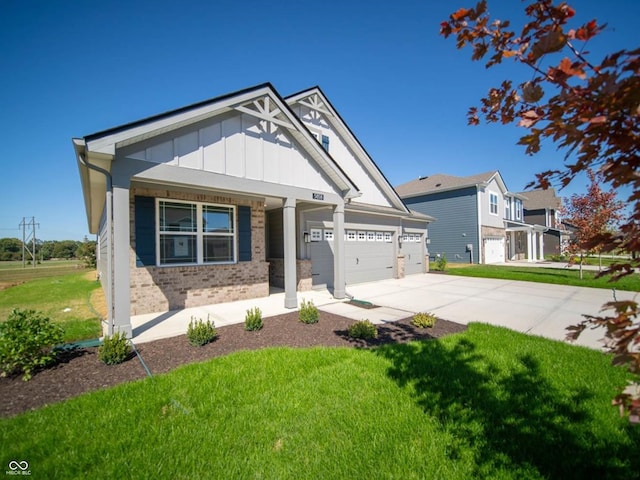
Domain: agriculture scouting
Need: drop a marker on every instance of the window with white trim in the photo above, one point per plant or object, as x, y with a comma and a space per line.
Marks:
507, 208
196, 233
351, 235
362, 236
328, 235
493, 203
371, 236
518, 208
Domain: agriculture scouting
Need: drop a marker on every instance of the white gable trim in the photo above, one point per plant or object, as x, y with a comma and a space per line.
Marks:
315, 99
262, 102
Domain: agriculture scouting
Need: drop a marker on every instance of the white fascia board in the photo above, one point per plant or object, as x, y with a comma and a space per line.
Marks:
109, 143
352, 142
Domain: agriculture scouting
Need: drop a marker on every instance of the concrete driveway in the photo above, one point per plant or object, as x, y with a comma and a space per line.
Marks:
533, 308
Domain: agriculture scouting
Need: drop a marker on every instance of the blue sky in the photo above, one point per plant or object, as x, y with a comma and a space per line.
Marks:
71, 68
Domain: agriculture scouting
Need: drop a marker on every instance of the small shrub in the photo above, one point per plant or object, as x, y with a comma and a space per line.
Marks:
200, 333
114, 349
308, 312
424, 320
363, 329
27, 341
253, 319
441, 263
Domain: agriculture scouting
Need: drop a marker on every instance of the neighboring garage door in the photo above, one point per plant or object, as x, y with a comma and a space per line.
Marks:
412, 249
369, 256
494, 250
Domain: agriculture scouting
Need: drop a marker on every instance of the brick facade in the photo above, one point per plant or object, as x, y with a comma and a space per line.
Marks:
155, 289
303, 274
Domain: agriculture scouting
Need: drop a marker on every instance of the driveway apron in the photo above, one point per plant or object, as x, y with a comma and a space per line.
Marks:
535, 308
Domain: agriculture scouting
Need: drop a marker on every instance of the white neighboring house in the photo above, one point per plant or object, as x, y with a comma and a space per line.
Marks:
221, 200
479, 219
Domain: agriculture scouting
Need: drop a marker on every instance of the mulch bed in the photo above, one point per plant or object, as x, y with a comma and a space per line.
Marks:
80, 371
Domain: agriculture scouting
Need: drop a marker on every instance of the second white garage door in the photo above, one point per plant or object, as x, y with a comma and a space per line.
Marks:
494, 250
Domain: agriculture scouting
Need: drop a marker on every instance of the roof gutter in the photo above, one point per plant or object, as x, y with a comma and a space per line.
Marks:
80, 147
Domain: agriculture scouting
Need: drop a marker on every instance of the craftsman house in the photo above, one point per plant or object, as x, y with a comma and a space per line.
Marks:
479, 219
224, 199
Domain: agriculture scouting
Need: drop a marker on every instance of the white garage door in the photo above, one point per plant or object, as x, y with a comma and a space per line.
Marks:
494, 250
369, 256
413, 250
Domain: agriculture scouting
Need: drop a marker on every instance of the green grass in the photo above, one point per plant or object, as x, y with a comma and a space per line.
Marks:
487, 403
12, 272
52, 295
548, 275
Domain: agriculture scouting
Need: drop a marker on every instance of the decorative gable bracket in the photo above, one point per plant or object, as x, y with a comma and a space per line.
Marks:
315, 103
264, 109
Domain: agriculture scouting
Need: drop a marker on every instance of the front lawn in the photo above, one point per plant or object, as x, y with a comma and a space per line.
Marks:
566, 276
487, 403
69, 300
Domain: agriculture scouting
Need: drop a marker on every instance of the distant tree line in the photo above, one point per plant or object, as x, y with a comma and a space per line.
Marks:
11, 249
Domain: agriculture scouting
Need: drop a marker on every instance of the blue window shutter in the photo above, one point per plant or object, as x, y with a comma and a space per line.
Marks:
145, 212
244, 234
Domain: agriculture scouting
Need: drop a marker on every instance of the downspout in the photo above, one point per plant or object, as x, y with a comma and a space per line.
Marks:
479, 207
109, 205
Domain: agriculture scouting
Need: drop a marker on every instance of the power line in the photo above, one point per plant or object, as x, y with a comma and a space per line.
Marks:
31, 237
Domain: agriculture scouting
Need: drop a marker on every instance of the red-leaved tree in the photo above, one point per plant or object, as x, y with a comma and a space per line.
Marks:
589, 109
592, 214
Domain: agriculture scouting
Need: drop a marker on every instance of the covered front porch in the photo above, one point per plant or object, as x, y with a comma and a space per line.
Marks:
525, 242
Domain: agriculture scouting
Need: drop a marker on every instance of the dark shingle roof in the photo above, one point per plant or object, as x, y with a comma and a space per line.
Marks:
439, 181
538, 199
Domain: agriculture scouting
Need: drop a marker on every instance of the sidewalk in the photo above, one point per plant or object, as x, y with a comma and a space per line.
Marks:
549, 264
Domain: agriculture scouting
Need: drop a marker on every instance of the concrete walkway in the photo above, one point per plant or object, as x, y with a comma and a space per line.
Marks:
533, 308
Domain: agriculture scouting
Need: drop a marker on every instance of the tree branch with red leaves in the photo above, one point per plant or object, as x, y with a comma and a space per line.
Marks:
588, 109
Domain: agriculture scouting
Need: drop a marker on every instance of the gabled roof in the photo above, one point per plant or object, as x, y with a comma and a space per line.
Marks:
441, 182
539, 199
339, 125
99, 148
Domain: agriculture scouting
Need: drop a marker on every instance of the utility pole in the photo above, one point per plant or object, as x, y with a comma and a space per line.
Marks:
29, 237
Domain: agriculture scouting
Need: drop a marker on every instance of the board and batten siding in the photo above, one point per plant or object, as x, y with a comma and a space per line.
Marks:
344, 157
456, 224
238, 145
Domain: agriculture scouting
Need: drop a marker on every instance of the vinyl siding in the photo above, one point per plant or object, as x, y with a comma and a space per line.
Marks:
456, 223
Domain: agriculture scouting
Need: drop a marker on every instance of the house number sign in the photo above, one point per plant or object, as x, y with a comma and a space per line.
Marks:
318, 196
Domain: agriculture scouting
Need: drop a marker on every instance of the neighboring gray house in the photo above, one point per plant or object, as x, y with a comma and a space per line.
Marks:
541, 208
221, 200
478, 219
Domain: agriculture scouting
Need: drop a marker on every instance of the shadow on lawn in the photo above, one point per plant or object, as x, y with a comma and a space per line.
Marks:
510, 420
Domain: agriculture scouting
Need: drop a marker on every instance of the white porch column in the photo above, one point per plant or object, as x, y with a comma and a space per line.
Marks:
339, 266
541, 252
534, 243
289, 227
121, 300
514, 244
529, 246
